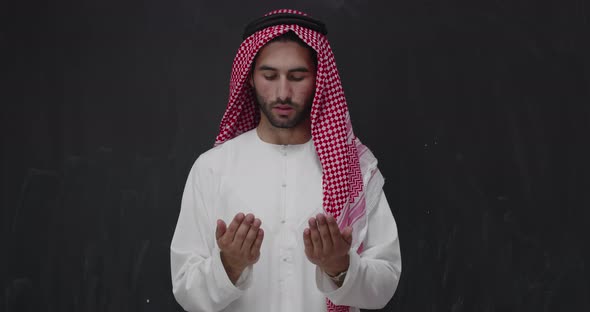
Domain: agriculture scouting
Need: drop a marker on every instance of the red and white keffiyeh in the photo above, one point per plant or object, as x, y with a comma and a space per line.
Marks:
341, 154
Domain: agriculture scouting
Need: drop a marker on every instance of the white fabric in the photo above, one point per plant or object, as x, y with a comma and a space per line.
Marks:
282, 186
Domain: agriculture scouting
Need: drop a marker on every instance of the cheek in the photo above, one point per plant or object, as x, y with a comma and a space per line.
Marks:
305, 91
261, 91
263, 88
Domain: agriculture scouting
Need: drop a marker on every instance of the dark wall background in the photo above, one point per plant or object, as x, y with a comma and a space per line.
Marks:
477, 110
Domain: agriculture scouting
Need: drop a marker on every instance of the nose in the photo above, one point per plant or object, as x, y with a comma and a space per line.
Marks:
284, 91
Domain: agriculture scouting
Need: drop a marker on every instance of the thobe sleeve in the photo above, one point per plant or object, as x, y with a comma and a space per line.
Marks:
199, 281
373, 275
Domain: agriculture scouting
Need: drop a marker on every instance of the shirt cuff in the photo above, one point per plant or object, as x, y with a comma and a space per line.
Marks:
223, 281
327, 286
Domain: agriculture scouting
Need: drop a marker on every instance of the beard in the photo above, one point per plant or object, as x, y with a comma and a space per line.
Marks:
301, 112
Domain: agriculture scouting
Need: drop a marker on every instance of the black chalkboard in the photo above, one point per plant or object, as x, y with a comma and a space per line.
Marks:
477, 110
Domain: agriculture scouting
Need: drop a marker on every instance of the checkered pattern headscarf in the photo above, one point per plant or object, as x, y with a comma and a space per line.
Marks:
338, 149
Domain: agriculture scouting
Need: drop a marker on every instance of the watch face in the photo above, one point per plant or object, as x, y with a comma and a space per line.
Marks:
339, 278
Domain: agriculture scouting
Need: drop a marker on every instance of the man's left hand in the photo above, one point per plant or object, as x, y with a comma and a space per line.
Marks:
326, 246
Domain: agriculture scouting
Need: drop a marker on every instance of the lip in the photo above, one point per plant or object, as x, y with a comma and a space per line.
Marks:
283, 108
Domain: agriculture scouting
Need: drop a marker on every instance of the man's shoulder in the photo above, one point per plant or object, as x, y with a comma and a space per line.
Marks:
219, 155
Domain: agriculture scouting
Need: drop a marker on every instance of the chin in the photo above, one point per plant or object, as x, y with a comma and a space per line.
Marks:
283, 125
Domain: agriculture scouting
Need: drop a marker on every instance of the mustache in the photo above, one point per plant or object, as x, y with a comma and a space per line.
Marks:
282, 102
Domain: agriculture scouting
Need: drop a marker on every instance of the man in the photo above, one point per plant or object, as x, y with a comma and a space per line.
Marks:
287, 212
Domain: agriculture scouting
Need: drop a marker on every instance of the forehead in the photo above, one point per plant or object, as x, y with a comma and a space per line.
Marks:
284, 54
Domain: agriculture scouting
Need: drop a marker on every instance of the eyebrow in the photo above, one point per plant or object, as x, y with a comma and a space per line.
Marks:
296, 69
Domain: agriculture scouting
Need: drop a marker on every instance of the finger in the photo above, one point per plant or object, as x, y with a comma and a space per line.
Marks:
334, 230
243, 231
221, 228
251, 236
234, 225
307, 242
315, 237
327, 243
255, 251
347, 235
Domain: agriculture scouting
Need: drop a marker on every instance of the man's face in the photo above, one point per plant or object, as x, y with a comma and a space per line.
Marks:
284, 83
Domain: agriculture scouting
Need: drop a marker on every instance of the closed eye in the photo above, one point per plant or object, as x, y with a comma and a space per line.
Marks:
296, 78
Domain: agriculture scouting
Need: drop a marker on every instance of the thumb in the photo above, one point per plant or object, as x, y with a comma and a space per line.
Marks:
221, 228
347, 234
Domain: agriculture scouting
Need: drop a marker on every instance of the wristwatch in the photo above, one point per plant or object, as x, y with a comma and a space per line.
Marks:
338, 278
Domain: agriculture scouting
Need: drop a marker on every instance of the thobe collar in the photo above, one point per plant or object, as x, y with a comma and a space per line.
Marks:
285, 149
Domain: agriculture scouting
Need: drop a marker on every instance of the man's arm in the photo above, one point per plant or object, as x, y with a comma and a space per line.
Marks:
198, 265
371, 277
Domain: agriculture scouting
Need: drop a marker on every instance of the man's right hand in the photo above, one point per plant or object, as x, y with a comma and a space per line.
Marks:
239, 243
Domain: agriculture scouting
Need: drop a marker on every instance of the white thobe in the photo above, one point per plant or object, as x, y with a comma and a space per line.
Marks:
282, 186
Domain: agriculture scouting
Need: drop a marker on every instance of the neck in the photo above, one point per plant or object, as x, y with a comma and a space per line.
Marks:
284, 136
